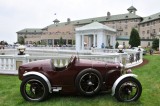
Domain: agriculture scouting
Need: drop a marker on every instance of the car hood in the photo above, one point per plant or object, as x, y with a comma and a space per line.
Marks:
37, 65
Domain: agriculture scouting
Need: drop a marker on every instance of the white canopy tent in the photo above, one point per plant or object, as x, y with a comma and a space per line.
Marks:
98, 35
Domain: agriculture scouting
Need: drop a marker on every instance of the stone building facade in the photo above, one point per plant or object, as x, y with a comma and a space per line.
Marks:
148, 27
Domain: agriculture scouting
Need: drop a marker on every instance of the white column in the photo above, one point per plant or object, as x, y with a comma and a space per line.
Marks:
107, 38
114, 41
94, 40
99, 40
78, 42
82, 45
89, 41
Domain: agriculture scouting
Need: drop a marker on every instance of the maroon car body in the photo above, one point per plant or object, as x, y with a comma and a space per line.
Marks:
80, 76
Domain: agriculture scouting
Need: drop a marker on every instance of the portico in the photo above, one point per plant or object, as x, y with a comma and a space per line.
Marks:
96, 34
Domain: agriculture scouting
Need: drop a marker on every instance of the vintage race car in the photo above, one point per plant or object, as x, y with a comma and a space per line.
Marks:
80, 76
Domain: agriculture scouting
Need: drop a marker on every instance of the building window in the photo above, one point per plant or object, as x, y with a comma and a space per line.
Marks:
135, 20
126, 26
113, 22
153, 22
143, 25
123, 43
143, 33
147, 31
26, 42
154, 30
126, 21
126, 33
148, 24
149, 44
70, 41
120, 33
56, 41
50, 41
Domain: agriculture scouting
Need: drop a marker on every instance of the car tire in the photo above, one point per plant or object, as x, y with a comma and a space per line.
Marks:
88, 82
128, 90
34, 88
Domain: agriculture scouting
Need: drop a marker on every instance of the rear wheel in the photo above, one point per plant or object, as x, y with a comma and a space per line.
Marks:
129, 89
34, 88
88, 82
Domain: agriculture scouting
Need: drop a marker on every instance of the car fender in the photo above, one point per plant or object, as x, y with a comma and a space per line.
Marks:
120, 79
42, 76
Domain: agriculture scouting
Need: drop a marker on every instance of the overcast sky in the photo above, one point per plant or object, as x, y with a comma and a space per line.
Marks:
16, 15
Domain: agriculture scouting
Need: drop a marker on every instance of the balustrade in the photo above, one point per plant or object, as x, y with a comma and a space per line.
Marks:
129, 58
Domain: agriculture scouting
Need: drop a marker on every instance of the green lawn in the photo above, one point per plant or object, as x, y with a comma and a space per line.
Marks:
149, 76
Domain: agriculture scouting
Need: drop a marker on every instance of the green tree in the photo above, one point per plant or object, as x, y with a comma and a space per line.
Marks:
38, 42
21, 40
155, 44
61, 41
117, 44
134, 40
3, 43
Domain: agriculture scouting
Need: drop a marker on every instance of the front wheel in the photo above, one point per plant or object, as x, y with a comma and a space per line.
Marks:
129, 89
34, 88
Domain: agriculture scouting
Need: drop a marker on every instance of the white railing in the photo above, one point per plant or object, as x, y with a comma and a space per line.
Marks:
43, 52
7, 62
104, 50
11, 62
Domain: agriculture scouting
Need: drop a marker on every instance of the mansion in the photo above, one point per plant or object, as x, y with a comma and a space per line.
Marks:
148, 27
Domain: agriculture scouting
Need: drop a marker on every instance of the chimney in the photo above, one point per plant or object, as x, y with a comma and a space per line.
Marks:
68, 20
108, 15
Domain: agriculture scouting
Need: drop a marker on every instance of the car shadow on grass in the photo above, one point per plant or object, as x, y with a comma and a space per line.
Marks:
103, 98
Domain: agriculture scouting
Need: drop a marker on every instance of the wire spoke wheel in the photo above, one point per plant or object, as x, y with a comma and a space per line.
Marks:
89, 82
34, 89
129, 89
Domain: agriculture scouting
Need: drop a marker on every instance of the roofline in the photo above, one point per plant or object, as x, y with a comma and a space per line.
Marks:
149, 20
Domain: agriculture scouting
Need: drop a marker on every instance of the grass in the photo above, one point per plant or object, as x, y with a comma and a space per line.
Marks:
148, 76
